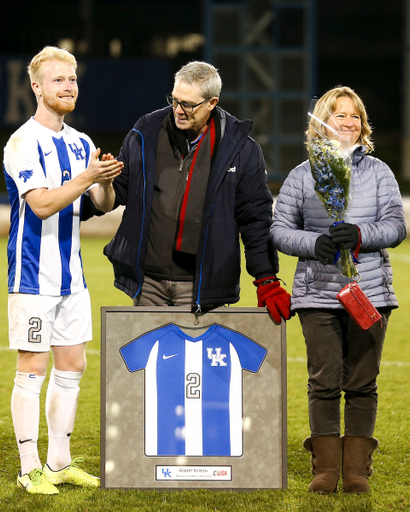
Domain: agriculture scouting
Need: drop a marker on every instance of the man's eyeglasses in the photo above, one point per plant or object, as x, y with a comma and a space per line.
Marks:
186, 107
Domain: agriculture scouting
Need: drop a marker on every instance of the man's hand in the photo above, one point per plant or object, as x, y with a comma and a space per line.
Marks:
105, 170
274, 297
45, 202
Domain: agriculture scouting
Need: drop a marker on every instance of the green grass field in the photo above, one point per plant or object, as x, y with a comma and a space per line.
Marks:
390, 482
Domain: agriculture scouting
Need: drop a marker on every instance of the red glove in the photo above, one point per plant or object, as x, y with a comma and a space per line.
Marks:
274, 297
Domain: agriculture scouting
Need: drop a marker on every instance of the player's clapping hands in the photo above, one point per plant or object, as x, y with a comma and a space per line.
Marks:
105, 170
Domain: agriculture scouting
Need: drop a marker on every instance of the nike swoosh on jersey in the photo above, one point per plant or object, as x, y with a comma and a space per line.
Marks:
167, 357
46, 154
24, 441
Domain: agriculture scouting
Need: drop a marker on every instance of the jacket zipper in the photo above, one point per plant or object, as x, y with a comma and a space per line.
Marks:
143, 210
198, 304
181, 160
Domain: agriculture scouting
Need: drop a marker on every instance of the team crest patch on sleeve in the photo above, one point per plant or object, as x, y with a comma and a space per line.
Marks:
26, 175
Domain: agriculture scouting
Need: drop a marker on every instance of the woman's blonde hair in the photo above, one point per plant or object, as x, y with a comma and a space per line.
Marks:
325, 107
48, 53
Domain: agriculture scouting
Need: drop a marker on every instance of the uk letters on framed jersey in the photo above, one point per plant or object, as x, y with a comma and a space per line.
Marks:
192, 400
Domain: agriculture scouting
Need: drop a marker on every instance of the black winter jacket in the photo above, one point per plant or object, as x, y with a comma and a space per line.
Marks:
238, 201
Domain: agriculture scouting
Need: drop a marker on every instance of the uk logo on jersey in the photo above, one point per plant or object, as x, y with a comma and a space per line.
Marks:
77, 151
25, 175
216, 357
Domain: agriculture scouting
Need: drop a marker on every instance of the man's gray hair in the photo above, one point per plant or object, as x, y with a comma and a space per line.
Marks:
203, 74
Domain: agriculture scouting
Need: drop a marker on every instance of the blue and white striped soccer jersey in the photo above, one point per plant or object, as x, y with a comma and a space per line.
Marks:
193, 389
44, 255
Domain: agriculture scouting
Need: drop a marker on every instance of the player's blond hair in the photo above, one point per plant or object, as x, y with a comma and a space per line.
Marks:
46, 54
325, 107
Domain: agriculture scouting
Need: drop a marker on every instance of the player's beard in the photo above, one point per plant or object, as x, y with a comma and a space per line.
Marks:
59, 105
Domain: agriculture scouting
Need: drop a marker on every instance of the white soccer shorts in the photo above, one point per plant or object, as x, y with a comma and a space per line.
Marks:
38, 322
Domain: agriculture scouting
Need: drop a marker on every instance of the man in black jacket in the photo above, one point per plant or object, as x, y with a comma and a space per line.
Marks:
193, 181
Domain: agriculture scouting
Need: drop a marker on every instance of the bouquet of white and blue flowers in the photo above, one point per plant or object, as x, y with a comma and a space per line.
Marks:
331, 170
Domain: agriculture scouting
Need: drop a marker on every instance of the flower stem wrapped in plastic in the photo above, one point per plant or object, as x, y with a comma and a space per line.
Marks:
331, 170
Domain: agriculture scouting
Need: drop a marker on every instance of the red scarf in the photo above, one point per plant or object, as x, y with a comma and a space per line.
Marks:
190, 218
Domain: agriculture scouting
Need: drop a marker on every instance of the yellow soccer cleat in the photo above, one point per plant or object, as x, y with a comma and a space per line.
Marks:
71, 474
36, 482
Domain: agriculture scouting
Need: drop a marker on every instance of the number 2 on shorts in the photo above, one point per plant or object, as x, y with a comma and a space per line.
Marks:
34, 335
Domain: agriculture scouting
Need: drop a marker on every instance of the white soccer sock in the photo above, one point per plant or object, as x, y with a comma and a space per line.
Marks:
25, 411
61, 406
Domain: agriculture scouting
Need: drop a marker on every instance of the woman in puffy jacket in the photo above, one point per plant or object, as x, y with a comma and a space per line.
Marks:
341, 357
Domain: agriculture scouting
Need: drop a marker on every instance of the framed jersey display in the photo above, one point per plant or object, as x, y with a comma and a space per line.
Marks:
192, 400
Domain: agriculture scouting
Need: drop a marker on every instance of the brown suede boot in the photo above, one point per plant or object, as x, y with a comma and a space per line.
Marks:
357, 461
326, 453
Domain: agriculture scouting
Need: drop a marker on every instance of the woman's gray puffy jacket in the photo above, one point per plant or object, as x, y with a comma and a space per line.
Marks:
375, 206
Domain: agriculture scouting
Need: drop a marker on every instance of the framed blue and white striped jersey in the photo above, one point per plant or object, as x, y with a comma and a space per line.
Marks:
193, 389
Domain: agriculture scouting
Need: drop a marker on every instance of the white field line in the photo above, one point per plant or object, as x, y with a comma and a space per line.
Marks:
399, 257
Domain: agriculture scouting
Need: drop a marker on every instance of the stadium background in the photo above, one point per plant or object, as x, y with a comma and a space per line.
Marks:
128, 52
